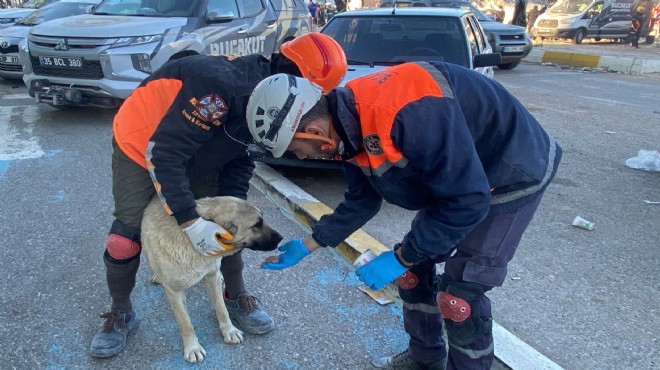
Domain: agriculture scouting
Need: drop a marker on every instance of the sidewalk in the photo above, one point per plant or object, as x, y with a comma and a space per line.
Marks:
609, 56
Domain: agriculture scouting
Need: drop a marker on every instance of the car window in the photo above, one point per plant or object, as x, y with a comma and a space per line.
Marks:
472, 38
230, 5
481, 42
253, 7
150, 8
390, 40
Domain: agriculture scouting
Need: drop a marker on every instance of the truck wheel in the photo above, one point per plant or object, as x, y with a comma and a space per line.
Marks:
649, 40
511, 65
579, 36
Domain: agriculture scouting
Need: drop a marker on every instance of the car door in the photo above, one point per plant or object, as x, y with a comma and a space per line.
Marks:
262, 27
477, 41
225, 27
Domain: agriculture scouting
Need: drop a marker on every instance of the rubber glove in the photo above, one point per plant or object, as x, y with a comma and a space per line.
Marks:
382, 270
294, 252
209, 238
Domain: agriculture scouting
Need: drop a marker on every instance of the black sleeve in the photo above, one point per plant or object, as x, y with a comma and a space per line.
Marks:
193, 118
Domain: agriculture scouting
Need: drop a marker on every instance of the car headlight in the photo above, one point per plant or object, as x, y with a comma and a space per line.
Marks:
8, 20
138, 40
567, 20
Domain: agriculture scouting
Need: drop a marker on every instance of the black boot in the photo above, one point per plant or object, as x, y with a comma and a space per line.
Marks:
121, 320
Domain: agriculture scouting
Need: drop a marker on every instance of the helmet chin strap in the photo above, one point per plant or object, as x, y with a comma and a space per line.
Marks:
303, 135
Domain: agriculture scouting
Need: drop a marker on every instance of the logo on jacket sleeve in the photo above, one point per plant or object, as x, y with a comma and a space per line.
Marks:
372, 145
211, 107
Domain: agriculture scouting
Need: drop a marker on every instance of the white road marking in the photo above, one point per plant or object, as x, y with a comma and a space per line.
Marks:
17, 142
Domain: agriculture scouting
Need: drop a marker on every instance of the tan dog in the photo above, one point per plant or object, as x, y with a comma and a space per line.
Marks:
178, 266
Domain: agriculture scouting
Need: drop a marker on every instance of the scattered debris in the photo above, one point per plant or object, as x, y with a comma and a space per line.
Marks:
647, 160
377, 296
515, 278
610, 132
650, 201
582, 223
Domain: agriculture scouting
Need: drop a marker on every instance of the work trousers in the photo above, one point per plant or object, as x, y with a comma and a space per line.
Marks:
480, 258
133, 189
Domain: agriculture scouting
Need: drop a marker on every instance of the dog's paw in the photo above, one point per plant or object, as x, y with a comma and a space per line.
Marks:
194, 353
232, 335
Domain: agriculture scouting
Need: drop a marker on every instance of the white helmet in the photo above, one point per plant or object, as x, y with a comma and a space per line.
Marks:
275, 108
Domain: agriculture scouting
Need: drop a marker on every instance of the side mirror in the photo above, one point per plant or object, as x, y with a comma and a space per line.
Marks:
219, 16
487, 60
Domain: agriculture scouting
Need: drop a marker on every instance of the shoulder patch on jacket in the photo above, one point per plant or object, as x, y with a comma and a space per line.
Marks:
209, 108
372, 145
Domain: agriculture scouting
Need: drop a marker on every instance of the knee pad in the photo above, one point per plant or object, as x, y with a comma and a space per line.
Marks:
460, 307
121, 248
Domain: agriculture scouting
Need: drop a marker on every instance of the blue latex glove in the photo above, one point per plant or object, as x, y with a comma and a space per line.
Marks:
294, 252
382, 270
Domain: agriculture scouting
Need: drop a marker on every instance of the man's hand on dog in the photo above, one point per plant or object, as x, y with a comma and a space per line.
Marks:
208, 238
293, 252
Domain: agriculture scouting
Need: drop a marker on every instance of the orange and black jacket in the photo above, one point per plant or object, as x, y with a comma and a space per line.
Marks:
186, 122
453, 144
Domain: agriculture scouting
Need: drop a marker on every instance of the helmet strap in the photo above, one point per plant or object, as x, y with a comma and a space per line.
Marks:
329, 140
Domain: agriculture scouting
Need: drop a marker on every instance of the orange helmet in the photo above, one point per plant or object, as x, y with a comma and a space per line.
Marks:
319, 58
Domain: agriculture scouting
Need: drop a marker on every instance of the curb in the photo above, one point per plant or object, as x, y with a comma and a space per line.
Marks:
510, 351
628, 65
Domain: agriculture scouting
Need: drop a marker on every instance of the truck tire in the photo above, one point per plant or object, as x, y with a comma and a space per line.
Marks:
511, 65
649, 40
579, 36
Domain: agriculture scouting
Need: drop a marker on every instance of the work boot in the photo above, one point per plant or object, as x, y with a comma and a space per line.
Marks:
402, 361
245, 311
111, 339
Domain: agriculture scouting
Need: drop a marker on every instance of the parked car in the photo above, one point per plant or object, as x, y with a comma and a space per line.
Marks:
509, 40
598, 19
100, 58
10, 16
11, 37
374, 39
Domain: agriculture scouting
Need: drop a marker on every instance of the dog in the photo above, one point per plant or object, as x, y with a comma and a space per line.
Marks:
178, 266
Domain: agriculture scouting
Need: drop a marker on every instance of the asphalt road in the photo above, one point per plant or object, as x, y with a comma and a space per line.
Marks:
585, 299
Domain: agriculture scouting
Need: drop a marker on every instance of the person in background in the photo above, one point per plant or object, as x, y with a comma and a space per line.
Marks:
320, 14
311, 6
531, 18
638, 19
330, 11
190, 141
437, 138
520, 14
499, 14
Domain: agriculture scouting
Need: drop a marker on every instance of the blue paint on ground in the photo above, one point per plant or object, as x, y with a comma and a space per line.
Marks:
4, 166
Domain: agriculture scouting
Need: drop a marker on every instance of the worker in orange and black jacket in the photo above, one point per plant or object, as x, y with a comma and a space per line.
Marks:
437, 138
638, 18
182, 135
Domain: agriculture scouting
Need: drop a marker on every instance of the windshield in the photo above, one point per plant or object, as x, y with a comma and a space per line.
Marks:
149, 8
34, 4
390, 40
569, 6
54, 11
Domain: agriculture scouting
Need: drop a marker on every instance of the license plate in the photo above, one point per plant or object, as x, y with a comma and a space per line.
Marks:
61, 62
9, 59
514, 49
543, 30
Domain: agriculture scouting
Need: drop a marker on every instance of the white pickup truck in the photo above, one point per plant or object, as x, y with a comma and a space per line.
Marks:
100, 58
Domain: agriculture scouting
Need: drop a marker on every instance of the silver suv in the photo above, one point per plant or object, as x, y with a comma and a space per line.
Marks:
100, 58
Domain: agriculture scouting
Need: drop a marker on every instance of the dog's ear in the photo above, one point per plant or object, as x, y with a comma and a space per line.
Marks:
233, 229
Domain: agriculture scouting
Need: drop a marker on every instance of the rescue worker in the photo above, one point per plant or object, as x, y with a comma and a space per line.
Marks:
181, 135
454, 145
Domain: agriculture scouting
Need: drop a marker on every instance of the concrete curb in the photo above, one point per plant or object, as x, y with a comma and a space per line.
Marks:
510, 351
628, 65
